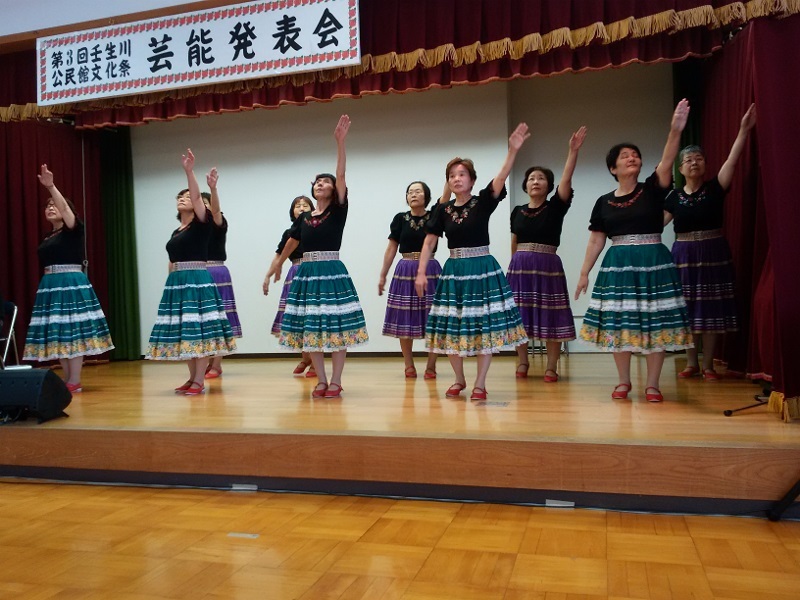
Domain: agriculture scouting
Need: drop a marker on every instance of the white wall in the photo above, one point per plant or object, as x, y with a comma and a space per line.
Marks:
267, 157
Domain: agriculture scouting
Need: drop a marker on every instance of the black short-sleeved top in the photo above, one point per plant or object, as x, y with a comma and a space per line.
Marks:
190, 244
323, 232
541, 225
640, 212
700, 211
465, 226
216, 245
409, 231
298, 252
63, 247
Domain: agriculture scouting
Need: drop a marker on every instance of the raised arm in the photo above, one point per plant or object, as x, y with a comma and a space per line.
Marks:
46, 179
597, 241
388, 257
446, 193
664, 168
725, 175
515, 141
340, 133
211, 179
194, 189
575, 143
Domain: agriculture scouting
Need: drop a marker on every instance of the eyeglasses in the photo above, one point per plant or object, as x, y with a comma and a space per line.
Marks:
693, 159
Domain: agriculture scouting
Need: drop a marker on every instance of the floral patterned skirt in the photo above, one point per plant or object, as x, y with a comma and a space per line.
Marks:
323, 312
637, 302
473, 310
191, 320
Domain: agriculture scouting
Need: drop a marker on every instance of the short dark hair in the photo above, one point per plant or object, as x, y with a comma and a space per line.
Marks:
464, 162
325, 176
425, 190
181, 193
294, 203
613, 155
551, 179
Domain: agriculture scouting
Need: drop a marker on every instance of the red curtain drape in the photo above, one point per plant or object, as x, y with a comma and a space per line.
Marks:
74, 158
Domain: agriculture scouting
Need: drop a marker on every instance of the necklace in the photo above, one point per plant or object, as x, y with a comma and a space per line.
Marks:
627, 203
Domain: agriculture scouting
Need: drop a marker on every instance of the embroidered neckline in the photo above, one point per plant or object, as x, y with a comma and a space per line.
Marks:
627, 203
317, 220
459, 213
691, 199
531, 213
414, 222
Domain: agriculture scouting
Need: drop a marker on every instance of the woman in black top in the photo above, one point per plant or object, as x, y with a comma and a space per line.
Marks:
536, 275
637, 304
217, 255
67, 322
300, 205
407, 313
323, 312
700, 251
473, 311
191, 323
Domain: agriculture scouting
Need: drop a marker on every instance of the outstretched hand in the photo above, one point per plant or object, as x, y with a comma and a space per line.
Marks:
188, 160
749, 118
342, 127
212, 177
680, 116
576, 141
518, 136
46, 177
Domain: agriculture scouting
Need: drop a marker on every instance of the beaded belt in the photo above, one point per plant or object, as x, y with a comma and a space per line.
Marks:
635, 239
297, 261
189, 265
62, 269
411, 255
317, 256
469, 252
532, 247
215, 263
696, 236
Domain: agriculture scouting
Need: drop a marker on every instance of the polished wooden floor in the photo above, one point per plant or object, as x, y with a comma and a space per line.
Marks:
258, 425
94, 542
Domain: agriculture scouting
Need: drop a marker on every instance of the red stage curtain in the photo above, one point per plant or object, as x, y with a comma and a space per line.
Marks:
776, 61
24, 147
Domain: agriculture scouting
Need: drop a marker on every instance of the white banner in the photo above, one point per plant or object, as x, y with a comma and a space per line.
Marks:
243, 41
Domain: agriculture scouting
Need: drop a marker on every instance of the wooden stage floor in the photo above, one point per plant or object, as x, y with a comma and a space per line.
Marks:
258, 425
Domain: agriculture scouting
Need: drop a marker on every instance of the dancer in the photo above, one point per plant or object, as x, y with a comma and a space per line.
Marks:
191, 323
67, 322
637, 304
299, 205
701, 253
407, 313
217, 256
323, 313
536, 275
473, 311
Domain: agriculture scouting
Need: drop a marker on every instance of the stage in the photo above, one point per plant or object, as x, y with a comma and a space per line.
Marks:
530, 442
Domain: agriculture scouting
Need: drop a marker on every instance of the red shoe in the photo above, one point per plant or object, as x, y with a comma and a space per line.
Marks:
301, 366
522, 370
654, 396
311, 373
74, 388
184, 387
550, 378
711, 375
621, 391
334, 391
194, 390
213, 373
689, 372
455, 390
319, 390
411, 372
429, 374
478, 394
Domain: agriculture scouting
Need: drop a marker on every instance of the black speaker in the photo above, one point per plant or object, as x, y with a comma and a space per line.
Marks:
37, 392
